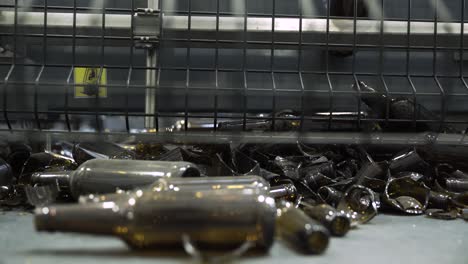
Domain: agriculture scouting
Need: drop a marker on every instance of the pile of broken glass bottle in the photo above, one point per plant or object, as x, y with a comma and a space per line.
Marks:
358, 181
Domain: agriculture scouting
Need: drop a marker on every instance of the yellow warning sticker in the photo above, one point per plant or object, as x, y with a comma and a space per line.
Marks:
88, 83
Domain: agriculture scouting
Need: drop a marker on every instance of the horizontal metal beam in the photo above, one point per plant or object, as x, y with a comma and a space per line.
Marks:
396, 139
231, 28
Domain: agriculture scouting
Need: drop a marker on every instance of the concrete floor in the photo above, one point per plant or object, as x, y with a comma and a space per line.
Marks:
386, 239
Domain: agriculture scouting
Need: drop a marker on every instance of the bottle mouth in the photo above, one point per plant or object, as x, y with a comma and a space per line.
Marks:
191, 172
43, 218
316, 242
59, 178
92, 218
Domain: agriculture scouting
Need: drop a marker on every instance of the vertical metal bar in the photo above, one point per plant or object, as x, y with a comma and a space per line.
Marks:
355, 8
66, 94
434, 50
5, 95
151, 62
272, 63
72, 70
299, 65
462, 39
273, 114
462, 52
327, 68
443, 104
15, 33
41, 71
387, 102
10, 72
381, 63
96, 99
150, 97
408, 41
408, 72
215, 120
382, 44
101, 70
462, 45
327, 40
331, 101
36, 87
189, 62
127, 88
415, 102
358, 87
244, 68
303, 95
158, 54
156, 89
359, 96
130, 70
44, 39
74, 34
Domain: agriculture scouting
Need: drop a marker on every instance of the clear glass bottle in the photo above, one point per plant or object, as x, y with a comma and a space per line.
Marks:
156, 217
106, 176
45, 161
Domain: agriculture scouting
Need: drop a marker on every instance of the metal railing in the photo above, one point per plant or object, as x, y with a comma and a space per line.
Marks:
181, 70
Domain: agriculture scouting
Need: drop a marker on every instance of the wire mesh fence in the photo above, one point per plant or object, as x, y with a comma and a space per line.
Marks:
169, 66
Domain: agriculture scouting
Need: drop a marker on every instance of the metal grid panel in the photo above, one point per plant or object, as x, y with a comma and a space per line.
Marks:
239, 62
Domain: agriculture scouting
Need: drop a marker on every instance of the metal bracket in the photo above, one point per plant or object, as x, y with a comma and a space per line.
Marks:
146, 27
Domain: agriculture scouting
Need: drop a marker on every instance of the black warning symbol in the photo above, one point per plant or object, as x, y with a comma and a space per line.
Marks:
90, 81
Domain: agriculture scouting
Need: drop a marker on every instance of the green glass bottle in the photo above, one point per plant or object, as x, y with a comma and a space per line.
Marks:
439, 200
456, 185
284, 191
6, 174
192, 183
338, 223
299, 230
442, 214
106, 176
330, 195
359, 204
159, 217
406, 195
100, 150
149, 151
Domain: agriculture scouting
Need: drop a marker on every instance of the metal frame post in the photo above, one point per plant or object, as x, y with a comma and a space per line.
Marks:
151, 63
